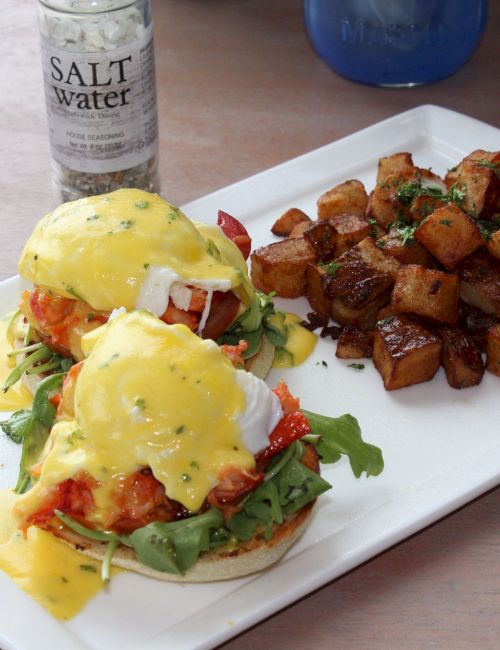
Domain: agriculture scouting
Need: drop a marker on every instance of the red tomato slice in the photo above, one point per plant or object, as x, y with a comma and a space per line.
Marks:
291, 427
235, 231
223, 311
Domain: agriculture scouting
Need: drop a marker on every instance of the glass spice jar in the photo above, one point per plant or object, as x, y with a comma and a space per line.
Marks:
99, 78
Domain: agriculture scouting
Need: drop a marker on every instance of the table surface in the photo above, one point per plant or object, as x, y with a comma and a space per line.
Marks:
240, 90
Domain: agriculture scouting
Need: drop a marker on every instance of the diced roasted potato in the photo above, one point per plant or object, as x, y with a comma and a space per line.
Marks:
398, 164
405, 352
482, 189
462, 361
347, 198
493, 244
354, 343
480, 282
384, 206
364, 317
284, 225
364, 274
475, 323
424, 205
394, 198
406, 251
299, 229
281, 267
316, 280
450, 235
493, 350
349, 229
321, 237
486, 158
426, 292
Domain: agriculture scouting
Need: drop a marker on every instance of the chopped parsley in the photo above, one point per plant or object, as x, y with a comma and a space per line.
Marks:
405, 231
408, 192
322, 363
75, 435
140, 402
88, 567
331, 268
141, 204
488, 228
446, 222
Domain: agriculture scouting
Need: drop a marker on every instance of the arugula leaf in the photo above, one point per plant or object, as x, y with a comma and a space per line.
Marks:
36, 429
342, 435
174, 547
298, 485
17, 425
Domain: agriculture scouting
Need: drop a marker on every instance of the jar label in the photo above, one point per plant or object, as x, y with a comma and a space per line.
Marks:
101, 106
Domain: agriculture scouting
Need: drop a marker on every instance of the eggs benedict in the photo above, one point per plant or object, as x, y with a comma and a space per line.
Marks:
131, 249
167, 460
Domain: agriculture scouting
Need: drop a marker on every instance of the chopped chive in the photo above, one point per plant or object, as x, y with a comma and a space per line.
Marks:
88, 567
45, 367
27, 348
39, 355
106, 563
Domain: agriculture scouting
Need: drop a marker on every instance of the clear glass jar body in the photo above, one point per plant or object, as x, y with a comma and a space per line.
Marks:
98, 69
395, 42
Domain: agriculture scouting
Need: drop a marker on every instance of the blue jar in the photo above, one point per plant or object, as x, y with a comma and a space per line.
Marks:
395, 43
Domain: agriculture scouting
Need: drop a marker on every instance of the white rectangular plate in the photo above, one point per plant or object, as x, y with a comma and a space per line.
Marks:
441, 446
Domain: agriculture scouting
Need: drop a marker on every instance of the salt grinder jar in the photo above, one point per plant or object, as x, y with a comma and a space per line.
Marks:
99, 78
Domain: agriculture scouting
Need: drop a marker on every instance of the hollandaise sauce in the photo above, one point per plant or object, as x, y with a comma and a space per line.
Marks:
59, 578
300, 344
17, 397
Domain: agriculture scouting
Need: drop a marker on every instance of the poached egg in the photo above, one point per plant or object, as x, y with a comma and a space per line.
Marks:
155, 395
131, 249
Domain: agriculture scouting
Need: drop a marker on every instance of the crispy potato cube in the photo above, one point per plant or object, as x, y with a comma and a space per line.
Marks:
365, 273
281, 267
364, 317
284, 225
384, 206
321, 237
316, 279
480, 282
488, 158
493, 244
393, 198
347, 198
450, 235
349, 229
299, 229
395, 165
405, 352
482, 189
354, 343
493, 350
475, 323
424, 205
406, 252
426, 292
462, 361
